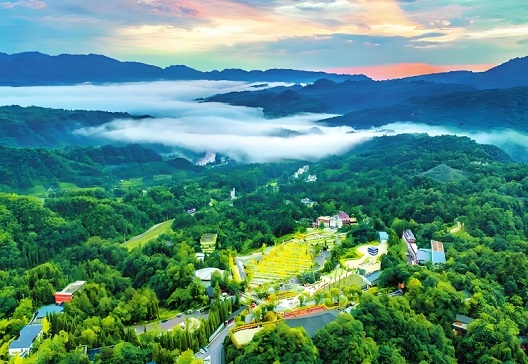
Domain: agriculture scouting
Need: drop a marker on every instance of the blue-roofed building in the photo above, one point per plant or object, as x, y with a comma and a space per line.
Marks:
373, 277
23, 344
423, 255
437, 252
48, 310
383, 236
435, 255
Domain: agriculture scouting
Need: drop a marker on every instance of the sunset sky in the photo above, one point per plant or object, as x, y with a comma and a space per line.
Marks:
381, 38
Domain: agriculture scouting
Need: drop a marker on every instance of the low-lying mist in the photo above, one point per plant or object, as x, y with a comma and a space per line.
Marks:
242, 133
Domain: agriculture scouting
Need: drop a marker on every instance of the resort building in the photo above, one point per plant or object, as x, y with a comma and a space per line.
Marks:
23, 344
435, 255
67, 293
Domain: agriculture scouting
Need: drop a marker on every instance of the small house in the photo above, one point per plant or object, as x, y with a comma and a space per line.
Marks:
461, 323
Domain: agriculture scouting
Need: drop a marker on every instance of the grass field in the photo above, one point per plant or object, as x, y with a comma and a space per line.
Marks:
350, 280
42, 192
150, 234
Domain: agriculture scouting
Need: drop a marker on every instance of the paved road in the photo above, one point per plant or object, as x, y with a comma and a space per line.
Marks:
321, 258
241, 270
215, 350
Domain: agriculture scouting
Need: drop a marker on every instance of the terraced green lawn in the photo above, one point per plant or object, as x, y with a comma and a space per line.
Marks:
148, 235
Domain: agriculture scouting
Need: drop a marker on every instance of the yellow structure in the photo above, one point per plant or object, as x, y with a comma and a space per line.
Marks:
284, 261
208, 242
234, 270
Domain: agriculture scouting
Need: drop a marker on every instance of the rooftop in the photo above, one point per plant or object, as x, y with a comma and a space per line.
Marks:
206, 273
73, 287
26, 338
45, 310
463, 319
313, 322
423, 255
437, 252
373, 277
409, 236
383, 236
437, 246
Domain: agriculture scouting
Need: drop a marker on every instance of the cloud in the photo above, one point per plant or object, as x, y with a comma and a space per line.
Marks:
179, 121
245, 134
30, 4
513, 142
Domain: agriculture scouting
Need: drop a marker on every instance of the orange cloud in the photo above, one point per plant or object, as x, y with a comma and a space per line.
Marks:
399, 70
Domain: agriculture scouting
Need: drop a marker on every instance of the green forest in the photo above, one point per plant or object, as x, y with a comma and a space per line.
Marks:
51, 238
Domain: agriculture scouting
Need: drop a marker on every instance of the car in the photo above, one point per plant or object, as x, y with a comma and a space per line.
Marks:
188, 312
164, 320
179, 314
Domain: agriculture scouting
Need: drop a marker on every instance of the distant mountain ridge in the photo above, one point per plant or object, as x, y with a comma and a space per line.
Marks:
509, 74
34, 68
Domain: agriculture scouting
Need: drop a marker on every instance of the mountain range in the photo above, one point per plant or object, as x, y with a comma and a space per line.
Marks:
462, 101
34, 68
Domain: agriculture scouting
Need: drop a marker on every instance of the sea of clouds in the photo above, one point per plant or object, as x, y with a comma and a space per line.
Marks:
179, 120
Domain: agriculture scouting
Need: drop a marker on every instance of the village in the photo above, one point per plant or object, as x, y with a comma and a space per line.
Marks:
275, 292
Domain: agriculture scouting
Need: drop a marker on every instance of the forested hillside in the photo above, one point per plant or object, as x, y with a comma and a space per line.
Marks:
43, 127
26, 170
482, 219
470, 110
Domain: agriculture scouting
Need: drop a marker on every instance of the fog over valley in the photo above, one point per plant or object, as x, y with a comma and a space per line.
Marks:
242, 133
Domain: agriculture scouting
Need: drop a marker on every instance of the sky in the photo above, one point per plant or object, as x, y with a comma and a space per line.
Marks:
380, 38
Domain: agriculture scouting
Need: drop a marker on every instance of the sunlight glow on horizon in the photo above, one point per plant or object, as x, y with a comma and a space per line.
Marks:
400, 70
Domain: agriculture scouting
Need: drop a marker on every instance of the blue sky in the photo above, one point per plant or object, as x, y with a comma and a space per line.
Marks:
382, 38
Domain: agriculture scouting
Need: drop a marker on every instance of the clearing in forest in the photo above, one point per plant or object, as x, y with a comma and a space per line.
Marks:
150, 234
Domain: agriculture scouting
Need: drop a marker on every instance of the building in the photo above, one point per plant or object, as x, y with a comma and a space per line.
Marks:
67, 293
45, 311
373, 278
208, 242
23, 344
336, 221
437, 252
383, 236
373, 250
412, 248
205, 275
435, 255
461, 323
343, 216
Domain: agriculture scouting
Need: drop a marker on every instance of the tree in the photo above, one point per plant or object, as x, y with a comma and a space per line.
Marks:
343, 341
274, 343
491, 339
187, 357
